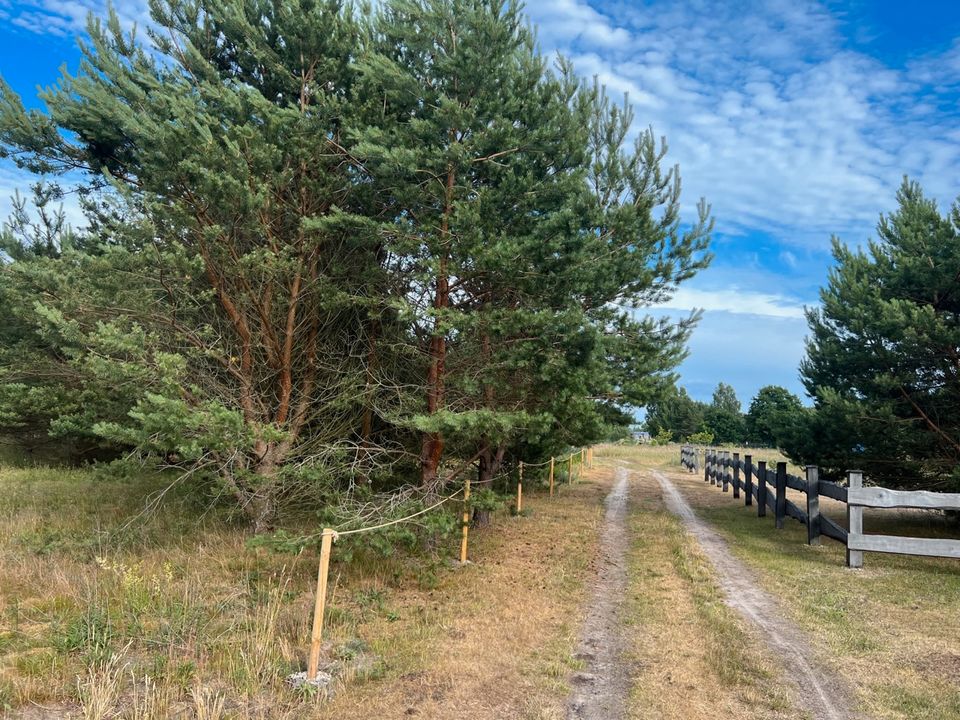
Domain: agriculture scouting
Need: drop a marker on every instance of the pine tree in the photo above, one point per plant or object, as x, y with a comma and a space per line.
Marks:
523, 218
882, 360
321, 244
238, 258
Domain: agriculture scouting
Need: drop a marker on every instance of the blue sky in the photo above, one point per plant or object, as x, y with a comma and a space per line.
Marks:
795, 119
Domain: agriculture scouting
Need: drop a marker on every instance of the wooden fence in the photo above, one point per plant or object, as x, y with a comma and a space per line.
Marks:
768, 487
690, 458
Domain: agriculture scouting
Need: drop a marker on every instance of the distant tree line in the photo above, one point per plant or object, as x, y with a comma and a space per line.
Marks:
770, 419
327, 251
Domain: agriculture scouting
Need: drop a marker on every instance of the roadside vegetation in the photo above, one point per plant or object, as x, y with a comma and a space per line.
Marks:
107, 611
888, 629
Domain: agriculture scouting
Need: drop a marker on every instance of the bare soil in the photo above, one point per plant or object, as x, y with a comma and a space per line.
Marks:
601, 689
818, 691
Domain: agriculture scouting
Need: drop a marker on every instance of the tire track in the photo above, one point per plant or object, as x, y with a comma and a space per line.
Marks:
819, 691
600, 691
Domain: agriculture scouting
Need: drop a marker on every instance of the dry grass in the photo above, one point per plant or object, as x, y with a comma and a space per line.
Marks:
890, 629
493, 639
176, 617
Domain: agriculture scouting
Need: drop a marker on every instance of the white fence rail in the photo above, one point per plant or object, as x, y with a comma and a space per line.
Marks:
859, 497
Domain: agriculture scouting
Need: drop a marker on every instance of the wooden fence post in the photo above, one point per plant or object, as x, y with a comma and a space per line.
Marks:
466, 519
713, 467
854, 519
590, 457
706, 465
725, 469
551, 476
320, 603
813, 505
520, 489
736, 476
762, 488
748, 480
780, 511
570, 469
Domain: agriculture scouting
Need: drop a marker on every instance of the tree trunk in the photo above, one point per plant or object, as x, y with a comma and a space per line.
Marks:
481, 518
260, 505
262, 512
432, 449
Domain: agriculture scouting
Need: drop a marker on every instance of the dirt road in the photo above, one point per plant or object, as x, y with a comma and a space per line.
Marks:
600, 690
818, 691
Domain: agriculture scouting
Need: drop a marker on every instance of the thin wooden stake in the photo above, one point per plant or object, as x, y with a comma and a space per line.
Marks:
466, 520
551, 476
570, 468
520, 489
316, 637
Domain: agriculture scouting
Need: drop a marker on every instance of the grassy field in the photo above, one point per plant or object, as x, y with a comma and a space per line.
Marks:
109, 611
890, 629
111, 607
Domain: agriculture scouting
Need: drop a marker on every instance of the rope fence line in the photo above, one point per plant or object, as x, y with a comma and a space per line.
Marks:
328, 536
424, 511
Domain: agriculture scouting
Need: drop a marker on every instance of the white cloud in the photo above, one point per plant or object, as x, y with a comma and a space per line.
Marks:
733, 299
770, 118
66, 18
13, 180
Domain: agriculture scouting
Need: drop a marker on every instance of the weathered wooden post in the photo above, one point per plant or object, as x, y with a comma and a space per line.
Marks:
780, 509
736, 476
570, 469
466, 519
813, 505
748, 480
551, 476
320, 603
854, 519
706, 466
520, 489
762, 488
725, 469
